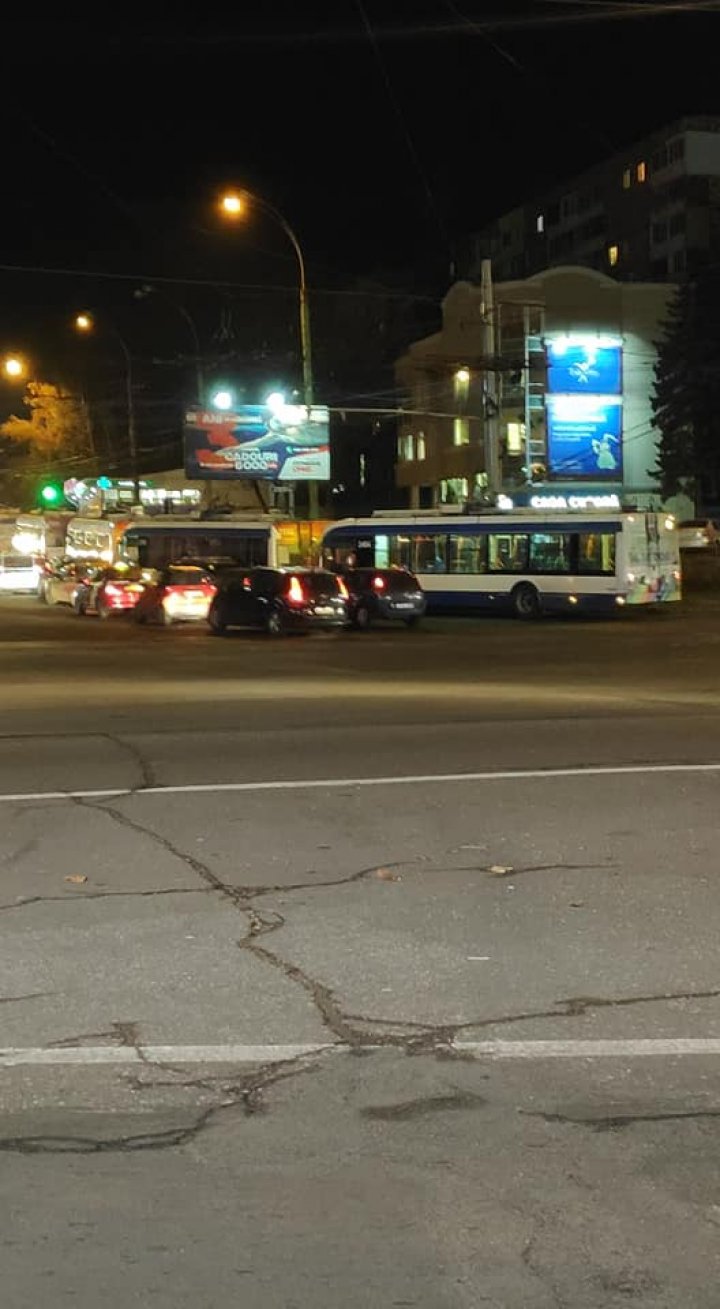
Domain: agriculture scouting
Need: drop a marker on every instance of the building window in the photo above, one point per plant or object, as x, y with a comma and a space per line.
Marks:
641, 171
515, 438
678, 262
613, 255
627, 179
405, 448
540, 224
420, 450
677, 223
461, 431
461, 384
659, 233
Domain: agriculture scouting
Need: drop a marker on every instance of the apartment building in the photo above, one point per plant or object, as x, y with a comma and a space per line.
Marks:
649, 213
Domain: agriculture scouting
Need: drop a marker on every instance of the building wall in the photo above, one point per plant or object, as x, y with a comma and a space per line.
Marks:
556, 301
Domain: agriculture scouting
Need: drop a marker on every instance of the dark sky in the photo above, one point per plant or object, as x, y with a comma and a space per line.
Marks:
385, 130
381, 151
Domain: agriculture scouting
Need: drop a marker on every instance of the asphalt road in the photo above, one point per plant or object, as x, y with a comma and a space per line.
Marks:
370, 970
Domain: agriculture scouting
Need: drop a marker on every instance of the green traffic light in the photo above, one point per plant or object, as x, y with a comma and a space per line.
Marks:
50, 495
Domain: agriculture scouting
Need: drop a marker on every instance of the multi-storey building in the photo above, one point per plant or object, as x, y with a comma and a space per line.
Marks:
649, 213
561, 407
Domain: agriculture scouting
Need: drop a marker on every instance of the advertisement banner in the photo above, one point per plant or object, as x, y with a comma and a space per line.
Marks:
584, 365
278, 443
584, 436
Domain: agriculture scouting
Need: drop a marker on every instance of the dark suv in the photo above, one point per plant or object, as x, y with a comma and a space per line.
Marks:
279, 600
383, 593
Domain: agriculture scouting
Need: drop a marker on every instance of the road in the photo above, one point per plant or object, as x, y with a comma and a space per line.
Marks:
370, 970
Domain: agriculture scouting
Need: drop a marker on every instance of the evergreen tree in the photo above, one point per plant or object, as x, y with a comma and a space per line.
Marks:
686, 403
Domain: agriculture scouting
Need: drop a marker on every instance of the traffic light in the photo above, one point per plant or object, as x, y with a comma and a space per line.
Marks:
51, 495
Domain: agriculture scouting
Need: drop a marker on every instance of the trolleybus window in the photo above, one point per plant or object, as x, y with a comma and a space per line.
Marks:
507, 552
596, 553
550, 552
467, 554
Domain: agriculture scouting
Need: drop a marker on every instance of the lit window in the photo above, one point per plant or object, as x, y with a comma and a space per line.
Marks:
641, 171
613, 255
461, 382
405, 448
540, 223
627, 179
420, 446
515, 438
461, 431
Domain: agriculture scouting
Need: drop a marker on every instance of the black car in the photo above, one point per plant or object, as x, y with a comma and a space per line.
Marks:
279, 600
383, 593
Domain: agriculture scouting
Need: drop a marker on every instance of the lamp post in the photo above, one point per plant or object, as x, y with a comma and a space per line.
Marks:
234, 206
84, 323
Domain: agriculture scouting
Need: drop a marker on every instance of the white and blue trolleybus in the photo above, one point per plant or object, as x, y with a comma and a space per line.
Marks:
528, 561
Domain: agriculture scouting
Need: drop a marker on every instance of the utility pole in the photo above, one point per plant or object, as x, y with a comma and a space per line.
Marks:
491, 406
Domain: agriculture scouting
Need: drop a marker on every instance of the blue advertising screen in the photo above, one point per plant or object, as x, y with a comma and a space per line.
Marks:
279, 443
584, 436
588, 365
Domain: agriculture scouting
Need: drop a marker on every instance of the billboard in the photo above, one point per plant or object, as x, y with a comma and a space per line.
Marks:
584, 364
277, 443
584, 436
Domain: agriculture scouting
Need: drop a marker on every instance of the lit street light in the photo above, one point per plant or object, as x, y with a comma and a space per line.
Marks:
234, 204
84, 323
14, 367
222, 400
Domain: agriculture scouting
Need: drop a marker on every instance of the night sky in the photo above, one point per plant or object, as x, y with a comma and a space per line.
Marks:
384, 130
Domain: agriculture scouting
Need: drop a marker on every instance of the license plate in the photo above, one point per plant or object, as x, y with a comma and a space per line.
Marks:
324, 609
402, 604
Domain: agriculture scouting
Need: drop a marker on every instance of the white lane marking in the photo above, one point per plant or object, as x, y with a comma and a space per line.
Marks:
630, 1048
338, 783
19, 1056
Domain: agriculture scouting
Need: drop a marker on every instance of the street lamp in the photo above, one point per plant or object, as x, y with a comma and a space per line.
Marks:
14, 367
235, 205
84, 323
222, 400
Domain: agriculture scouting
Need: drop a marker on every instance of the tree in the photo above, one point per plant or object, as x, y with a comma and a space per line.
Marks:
58, 426
686, 403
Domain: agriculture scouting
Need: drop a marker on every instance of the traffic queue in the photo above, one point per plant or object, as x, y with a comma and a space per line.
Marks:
277, 600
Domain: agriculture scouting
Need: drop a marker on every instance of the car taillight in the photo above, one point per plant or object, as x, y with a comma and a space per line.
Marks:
111, 589
296, 595
343, 589
379, 583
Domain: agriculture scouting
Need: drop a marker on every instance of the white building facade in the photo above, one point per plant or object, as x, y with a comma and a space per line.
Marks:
561, 407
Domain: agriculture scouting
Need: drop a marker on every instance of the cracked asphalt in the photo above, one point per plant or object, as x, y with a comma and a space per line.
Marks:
439, 1043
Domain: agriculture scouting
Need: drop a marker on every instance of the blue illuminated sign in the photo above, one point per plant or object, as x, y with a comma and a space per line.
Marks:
589, 365
584, 436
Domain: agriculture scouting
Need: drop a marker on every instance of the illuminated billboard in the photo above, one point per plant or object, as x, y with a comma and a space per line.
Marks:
277, 443
584, 436
584, 364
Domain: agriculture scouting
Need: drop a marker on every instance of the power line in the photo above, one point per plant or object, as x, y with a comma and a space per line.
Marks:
402, 120
105, 275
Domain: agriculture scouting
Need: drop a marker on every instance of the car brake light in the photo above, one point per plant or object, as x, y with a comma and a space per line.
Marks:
343, 589
296, 595
379, 583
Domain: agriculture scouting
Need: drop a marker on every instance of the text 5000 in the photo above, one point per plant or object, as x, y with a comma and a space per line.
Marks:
253, 460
